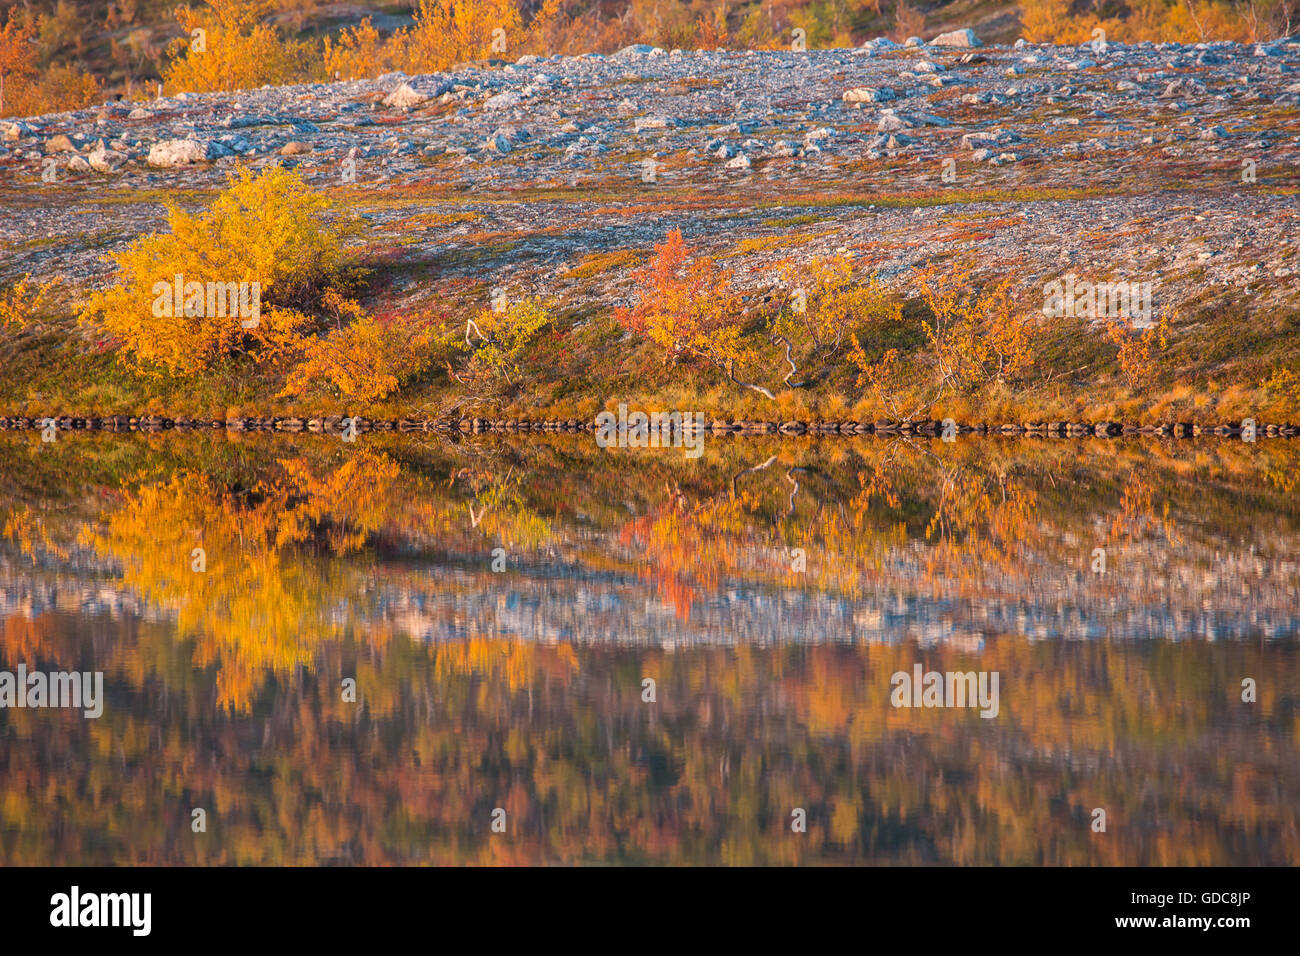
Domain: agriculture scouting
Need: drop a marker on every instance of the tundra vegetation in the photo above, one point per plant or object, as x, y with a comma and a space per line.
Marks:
797, 336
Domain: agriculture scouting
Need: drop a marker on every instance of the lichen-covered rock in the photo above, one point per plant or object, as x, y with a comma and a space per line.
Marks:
957, 38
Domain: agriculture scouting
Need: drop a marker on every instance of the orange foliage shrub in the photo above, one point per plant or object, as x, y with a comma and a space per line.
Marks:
17, 59
1136, 356
359, 52
1160, 21
24, 304
1050, 21
27, 91
500, 339
826, 304
881, 378
1285, 384
908, 22
364, 359
688, 309
976, 335
230, 46
270, 230
445, 32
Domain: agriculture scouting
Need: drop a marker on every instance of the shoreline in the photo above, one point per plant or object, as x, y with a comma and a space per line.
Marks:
927, 428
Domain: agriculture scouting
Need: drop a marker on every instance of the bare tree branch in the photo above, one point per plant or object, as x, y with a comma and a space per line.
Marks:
782, 340
747, 471
731, 373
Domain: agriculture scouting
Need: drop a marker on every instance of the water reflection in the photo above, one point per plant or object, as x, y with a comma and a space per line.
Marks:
770, 589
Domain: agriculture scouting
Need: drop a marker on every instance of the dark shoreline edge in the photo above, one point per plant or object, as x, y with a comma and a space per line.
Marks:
928, 428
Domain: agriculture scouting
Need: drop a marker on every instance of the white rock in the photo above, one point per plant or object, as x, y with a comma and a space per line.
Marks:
636, 49
891, 122
503, 101
105, 160
404, 97
867, 94
177, 152
956, 38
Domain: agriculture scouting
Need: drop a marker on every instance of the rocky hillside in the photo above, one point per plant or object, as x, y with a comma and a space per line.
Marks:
1175, 164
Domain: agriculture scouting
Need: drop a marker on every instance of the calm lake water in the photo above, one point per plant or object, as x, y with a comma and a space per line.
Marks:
500, 605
